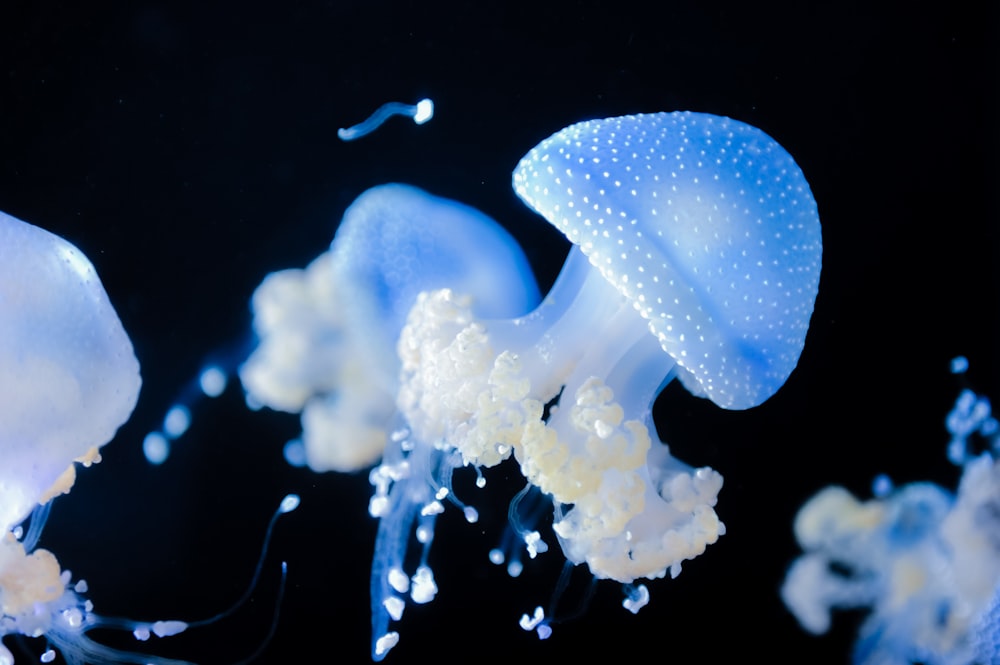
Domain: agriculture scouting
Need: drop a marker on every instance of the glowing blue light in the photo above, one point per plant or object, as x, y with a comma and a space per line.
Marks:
213, 380
421, 112
210, 382
156, 448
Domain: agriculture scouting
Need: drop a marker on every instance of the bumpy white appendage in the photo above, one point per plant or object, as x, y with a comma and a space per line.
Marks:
299, 322
477, 384
587, 449
307, 354
27, 581
637, 511
454, 388
832, 527
462, 405
927, 563
37, 599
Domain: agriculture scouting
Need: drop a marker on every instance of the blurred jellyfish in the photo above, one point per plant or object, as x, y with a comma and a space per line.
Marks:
327, 334
925, 560
327, 347
697, 256
68, 380
324, 336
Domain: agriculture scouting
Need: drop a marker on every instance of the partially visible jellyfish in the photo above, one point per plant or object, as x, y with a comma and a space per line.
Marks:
68, 380
697, 255
327, 348
68, 375
924, 559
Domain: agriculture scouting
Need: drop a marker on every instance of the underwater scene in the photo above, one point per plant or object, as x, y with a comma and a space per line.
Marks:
395, 331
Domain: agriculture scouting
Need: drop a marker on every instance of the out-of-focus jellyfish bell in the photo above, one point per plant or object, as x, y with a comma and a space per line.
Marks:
926, 561
68, 375
698, 229
327, 347
68, 380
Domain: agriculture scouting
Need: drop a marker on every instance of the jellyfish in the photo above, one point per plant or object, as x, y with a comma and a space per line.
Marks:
69, 379
924, 559
326, 347
420, 112
326, 334
696, 255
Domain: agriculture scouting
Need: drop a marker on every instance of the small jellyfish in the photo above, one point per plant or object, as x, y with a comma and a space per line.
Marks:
697, 256
421, 112
925, 560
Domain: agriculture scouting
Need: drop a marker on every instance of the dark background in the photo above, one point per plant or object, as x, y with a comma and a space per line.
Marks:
190, 148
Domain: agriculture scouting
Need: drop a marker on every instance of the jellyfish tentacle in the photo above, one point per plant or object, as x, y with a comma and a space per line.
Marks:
406, 506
